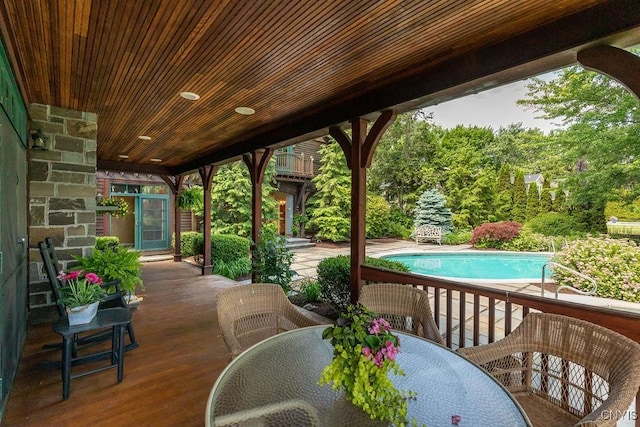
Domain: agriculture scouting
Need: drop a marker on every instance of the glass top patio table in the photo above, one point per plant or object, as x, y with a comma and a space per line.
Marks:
275, 383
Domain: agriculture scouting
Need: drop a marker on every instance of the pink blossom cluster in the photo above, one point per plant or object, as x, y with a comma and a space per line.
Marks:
75, 274
388, 350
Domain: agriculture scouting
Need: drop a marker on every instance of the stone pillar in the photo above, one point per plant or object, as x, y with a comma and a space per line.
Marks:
62, 189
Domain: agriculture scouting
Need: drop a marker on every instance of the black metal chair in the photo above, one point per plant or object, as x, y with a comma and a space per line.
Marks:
113, 300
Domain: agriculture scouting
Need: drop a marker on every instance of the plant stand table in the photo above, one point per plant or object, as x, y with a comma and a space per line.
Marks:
115, 318
275, 382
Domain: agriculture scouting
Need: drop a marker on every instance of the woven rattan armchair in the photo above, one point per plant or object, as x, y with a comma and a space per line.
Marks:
406, 308
250, 313
564, 371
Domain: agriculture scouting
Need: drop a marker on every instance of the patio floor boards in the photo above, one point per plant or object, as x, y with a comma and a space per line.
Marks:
166, 380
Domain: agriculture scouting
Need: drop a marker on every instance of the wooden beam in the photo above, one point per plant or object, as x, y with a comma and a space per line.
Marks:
373, 137
107, 165
206, 174
175, 184
344, 141
257, 162
614, 62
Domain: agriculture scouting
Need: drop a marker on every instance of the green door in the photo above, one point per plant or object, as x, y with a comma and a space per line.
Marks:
153, 219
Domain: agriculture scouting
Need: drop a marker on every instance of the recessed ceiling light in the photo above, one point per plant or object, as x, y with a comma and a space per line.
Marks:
190, 96
144, 137
155, 160
245, 111
123, 156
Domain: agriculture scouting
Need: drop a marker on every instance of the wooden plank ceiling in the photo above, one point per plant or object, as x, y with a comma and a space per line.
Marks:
301, 65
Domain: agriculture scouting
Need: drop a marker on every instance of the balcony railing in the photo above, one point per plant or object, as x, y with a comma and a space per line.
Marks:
294, 164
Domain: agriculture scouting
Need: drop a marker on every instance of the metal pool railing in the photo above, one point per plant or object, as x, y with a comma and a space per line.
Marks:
552, 264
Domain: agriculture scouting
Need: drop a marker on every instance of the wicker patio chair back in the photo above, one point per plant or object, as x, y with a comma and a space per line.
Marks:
564, 371
406, 308
248, 314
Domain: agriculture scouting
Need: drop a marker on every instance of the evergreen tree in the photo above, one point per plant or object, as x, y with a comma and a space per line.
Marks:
533, 201
431, 209
560, 201
546, 204
231, 199
331, 205
519, 208
504, 194
478, 205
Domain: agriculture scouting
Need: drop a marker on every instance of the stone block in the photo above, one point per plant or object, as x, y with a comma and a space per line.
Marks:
38, 234
38, 112
48, 128
38, 299
81, 241
68, 177
56, 120
87, 191
66, 254
85, 217
69, 143
54, 156
91, 117
72, 167
36, 215
78, 230
38, 171
38, 200
58, 204
90, 145
90, 158
71, 157
46, 189
61, 218
65, 112
39, 286
82, 129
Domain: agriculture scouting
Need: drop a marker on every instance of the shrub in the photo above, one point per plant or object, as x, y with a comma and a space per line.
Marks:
378, 214
233, 269
113, 264
334, 277
107, 242
495, 234
431, 209
190, 243
613, 263
553, 224
457, 237
528, 242
272, 260
230, 255
312, 290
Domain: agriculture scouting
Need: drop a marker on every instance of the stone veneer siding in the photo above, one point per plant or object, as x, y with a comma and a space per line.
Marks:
62, 190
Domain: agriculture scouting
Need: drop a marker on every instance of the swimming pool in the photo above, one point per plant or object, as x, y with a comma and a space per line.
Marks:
476, 266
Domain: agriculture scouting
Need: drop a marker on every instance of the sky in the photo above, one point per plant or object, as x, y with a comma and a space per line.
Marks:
494, 107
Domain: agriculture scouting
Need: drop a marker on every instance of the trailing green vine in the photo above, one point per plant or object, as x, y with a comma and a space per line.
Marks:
121, 205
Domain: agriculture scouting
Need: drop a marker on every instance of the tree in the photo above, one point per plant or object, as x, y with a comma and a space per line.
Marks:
519, 209
331, 205
402, 162
431, 209
533, 201
546, 203
504, 194
603, 120
231, 199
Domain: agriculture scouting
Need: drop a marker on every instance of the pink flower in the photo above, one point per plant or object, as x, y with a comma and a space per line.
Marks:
455, 419
72, 275
93, 278
367, 352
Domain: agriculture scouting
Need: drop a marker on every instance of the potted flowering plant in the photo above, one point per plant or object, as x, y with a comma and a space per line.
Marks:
81, 295
364, 353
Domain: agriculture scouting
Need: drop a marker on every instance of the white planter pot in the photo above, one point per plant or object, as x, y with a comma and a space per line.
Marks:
83, 314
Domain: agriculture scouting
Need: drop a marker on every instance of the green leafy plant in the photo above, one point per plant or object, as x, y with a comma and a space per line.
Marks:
107, 242
334, 273
311, 290
613, 263
364, 354
191, 198
233, 269
553, 224
121, 205
272, 259
457, 237
115, 264
190, 243
80, 288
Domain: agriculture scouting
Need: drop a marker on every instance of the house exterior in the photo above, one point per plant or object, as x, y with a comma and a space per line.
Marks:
150, 222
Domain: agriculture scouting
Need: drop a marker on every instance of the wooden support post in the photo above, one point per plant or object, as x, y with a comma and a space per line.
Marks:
257, 162
614, 62
175, 185
359, 151
206, 174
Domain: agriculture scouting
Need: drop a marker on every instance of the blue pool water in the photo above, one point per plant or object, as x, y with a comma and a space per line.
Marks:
475, 265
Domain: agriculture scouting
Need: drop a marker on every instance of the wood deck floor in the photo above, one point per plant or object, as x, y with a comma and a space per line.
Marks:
166, 380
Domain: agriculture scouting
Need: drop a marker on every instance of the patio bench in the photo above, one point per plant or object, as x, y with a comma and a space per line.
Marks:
428, 232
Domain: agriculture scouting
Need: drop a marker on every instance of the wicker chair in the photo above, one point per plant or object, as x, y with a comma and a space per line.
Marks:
564, 371
250, 313
406, 308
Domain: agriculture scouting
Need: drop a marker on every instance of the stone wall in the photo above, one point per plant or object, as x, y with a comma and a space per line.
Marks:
62, 190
